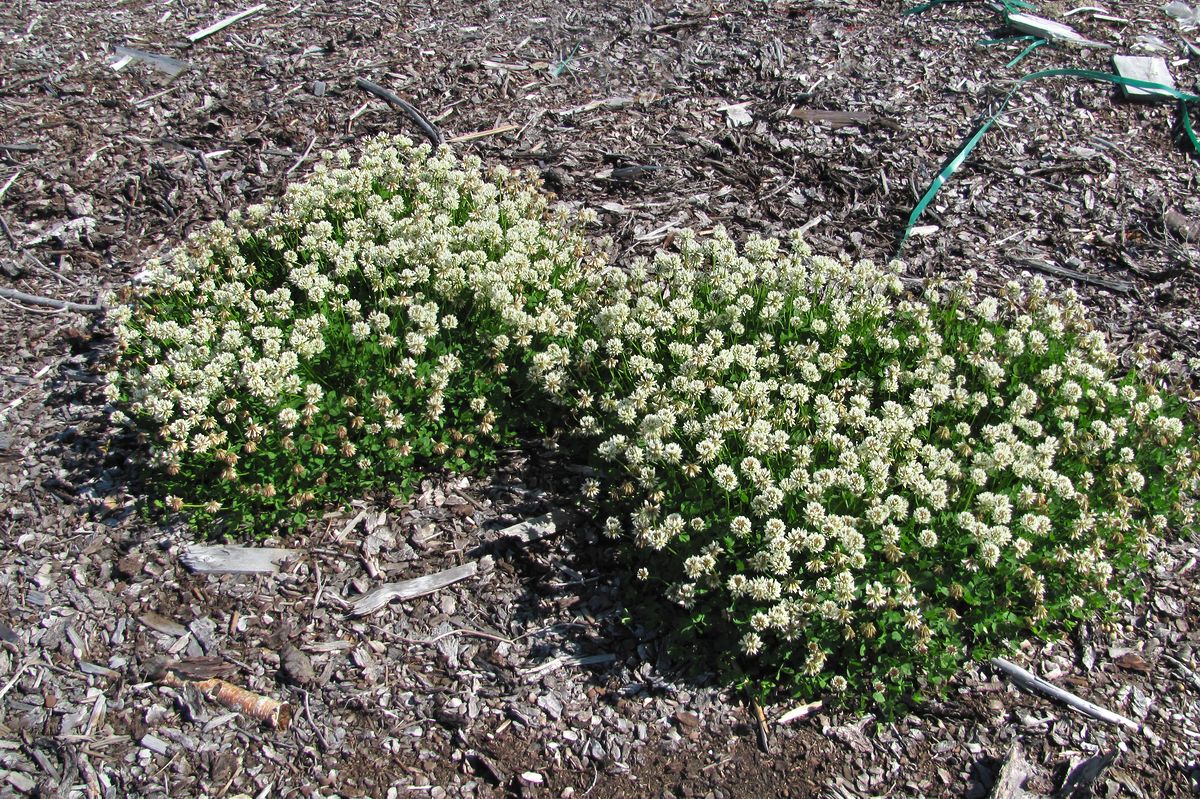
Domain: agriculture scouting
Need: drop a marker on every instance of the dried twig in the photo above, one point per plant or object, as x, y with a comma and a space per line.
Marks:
760, 726
410, 111
1029, 682
1042, 265
50, 302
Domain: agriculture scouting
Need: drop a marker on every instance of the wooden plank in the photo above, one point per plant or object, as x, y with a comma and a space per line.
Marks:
419, 586
235, 560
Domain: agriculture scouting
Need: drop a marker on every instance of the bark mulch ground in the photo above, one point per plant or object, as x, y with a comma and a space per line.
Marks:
526, 679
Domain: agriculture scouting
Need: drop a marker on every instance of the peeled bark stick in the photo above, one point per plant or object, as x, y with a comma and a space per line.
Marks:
1028, 681
260, 708
408, 108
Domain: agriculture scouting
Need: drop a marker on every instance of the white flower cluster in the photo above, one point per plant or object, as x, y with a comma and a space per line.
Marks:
323, 332
828, 460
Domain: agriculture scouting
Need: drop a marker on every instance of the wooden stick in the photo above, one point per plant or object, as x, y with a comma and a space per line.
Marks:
50, 302
760, 726
483, 133
801, 712
1033, 262
221, 25
1029, 682
408, 108
419, 586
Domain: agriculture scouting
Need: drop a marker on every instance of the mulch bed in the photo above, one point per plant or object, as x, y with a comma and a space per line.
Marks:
526, 680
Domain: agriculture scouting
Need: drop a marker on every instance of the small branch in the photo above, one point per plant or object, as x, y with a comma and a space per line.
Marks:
448, 633
483, 133
50, 302
408, 108
760, 726
1029, 682
258, 707
304, 155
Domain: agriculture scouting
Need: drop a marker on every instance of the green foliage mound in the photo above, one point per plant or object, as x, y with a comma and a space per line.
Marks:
851, 488
335, 341
844, 487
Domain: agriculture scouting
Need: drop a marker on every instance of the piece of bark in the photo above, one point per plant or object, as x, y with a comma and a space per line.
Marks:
1083, 775
296, 667
419, 586
1012, 775
1029, 682
1182, 226
537, 528
844, 119
225, 559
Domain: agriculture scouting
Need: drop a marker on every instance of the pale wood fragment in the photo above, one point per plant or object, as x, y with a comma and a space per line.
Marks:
226, 559
1012, 775
537, 528
419, 586
801, 712
222, 24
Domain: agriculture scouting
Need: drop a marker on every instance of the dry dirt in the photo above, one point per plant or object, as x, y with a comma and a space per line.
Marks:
478, 690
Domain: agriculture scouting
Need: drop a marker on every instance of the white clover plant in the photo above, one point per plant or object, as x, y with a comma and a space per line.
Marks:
328, 343
846, 488
852, 489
